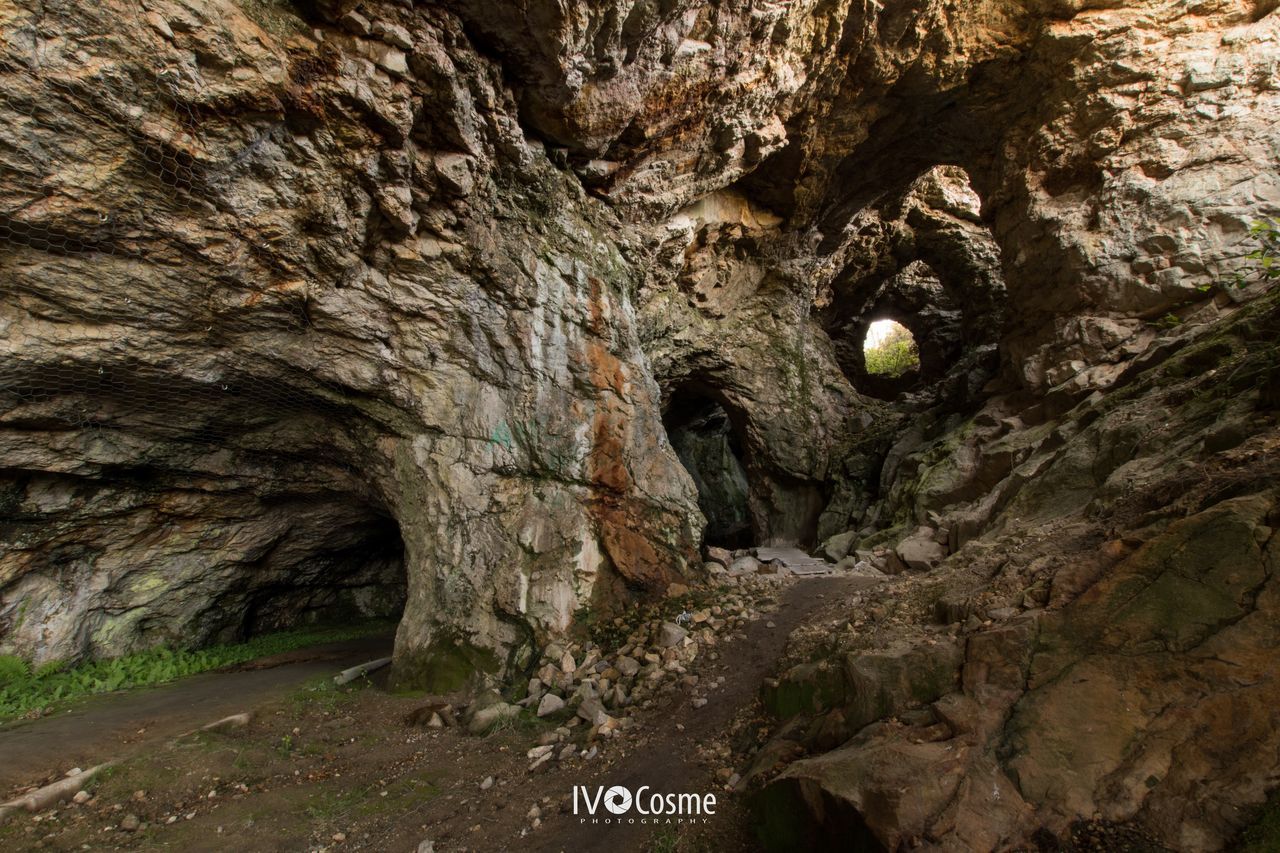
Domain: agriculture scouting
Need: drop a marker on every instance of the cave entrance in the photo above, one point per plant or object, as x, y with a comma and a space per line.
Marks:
337, 563
710, 448
890, 350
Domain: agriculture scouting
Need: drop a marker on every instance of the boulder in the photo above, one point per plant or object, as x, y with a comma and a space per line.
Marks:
592, 710
484, 719
719, 555
671, 634
908, 672
858, 788
837, 547
920, 551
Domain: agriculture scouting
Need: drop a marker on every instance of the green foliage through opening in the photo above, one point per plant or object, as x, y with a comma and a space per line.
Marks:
890, 350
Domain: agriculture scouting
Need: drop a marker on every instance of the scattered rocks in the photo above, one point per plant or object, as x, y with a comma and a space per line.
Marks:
550, 704
670, 635
600, 687
130, 823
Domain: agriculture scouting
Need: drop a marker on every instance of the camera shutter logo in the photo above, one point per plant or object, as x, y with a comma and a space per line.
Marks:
617, 799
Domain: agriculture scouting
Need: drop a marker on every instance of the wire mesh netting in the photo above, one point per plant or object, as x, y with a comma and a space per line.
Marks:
157, 343
135, 270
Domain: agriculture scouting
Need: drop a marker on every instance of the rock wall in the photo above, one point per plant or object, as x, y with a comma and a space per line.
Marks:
312, 307
1101, 651
270, 280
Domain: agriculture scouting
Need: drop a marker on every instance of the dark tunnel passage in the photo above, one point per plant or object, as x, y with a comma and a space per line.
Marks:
329, 569
708, 445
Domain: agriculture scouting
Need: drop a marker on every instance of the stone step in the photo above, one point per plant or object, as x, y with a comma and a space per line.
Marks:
797, 561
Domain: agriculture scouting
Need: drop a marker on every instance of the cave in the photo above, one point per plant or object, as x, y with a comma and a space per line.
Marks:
507, 321
350, 570
708, 446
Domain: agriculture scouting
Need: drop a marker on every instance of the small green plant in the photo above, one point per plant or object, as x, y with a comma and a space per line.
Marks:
24, 692
13, 668
1266, 257
894, 355
666, 840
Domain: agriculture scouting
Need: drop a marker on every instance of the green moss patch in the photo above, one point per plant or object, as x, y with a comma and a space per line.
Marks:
25, 692
449, 664
1264, 835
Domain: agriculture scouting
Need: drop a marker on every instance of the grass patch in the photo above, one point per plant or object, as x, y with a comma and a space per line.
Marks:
346, 804
892, 352
26, 693
669, 839
666, 840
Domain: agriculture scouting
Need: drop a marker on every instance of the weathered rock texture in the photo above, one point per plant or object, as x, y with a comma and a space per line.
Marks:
305, 301
267, 285
1106, 646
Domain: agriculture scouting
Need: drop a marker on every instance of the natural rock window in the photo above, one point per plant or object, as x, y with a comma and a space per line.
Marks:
890, 350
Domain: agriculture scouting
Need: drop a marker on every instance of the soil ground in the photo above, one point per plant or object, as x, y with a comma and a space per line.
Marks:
340, 768
119, 725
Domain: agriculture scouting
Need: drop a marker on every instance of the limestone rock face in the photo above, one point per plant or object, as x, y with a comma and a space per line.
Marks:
286, 307
319, 308
1112, 588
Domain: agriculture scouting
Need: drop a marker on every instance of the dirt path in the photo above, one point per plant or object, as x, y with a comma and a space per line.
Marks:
119, 725
342, 770
665, 759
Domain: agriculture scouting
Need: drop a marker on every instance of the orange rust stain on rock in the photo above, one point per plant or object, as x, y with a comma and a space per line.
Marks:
628, 527
595, 304
608, 448
607, 371
628, 540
